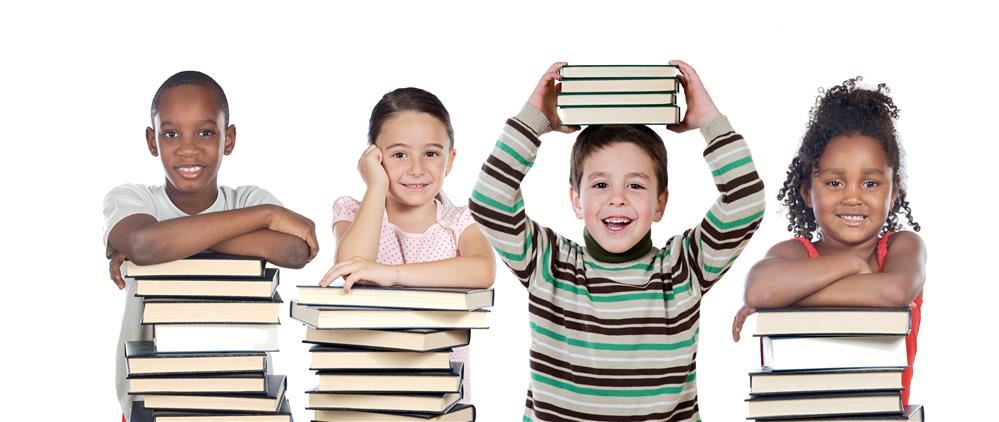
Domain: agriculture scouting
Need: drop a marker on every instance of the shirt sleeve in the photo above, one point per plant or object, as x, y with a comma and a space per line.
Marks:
345, 208
124, 201
497, 202
251, 196
710, 248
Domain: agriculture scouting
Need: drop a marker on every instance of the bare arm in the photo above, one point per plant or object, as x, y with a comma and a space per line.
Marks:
787, 275
146, 241
360, 237
473, 268
898, 285
280, 249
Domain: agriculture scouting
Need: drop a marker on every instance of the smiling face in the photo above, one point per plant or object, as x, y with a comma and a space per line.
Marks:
618, 203
190, 137
416, 154
851, 191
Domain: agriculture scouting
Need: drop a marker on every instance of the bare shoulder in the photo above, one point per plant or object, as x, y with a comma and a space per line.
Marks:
791, 249
907, 242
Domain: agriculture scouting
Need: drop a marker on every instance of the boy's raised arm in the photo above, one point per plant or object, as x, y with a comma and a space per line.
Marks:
728, 225
497, 202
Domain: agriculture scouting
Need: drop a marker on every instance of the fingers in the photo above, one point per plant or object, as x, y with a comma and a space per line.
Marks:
554, 68
115, 270
567, 129
348, 282
313, 245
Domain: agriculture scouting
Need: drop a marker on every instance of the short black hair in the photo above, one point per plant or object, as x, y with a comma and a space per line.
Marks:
191, 77
845, 109
597, 137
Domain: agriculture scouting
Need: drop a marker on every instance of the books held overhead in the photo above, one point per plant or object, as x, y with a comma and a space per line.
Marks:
206, 286
268, 402
619, 94
356, 317
194, 338
142, 359
620, 114
326, 358
415, 402
567, 99
619, 71
397, 297
417, 339
833, 321
203, 264
458, 413
388, 381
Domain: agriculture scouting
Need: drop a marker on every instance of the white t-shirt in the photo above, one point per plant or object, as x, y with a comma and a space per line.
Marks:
130, 199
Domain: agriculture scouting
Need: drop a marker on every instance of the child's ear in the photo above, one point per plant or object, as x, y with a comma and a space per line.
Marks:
576, 204
660, 206
151, 142
450, 161
230, 139
806, 194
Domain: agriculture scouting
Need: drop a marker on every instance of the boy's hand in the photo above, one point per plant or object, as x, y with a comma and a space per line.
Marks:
289, 222
362, 271
701, 109
739, 320
371, 169
545, 95
115, 269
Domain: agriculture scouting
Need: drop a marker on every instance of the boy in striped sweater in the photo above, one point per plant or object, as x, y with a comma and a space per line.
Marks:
614, 322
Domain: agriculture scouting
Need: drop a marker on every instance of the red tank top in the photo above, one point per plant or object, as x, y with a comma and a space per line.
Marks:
915, 308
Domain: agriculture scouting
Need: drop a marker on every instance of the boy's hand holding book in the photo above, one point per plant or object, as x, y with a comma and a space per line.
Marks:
545, 95
115, 269
701, 109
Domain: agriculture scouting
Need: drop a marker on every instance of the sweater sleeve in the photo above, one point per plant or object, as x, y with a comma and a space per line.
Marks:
497, 203
710, 248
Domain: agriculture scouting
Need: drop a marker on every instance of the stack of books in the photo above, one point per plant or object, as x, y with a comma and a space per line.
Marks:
383, 354
215, 318
619, 94
831, 364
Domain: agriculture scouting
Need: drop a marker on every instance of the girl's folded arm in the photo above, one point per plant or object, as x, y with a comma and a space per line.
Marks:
898, 285
787, 275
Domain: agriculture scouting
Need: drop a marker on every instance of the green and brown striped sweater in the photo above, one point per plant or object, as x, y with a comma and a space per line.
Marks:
614, 342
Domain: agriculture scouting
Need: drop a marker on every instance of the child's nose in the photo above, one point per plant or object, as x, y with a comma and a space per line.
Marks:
416, 168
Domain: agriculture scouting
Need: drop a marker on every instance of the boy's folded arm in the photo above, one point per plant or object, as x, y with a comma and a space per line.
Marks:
497, 202
280, 249
897, 285
733, 219
146, 241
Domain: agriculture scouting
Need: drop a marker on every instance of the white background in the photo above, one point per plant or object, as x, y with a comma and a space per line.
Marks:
77, 79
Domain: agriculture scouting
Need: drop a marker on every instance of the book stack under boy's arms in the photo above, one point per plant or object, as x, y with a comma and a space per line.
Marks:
831, 364
383, 354
619, 94
215, 318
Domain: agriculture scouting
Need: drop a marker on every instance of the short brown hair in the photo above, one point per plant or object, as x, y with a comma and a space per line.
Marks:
597, 137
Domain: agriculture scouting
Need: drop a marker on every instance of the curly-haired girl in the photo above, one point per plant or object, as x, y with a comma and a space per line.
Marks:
844, 194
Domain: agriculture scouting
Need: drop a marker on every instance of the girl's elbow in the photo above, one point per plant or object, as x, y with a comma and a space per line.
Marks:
899, 296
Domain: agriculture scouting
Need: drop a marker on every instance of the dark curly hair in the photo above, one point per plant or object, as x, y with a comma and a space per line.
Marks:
841, 110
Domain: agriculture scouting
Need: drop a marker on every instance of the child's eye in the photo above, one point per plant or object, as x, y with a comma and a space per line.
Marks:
169, 134
206, 132
871, 184
635, 186
834, 184
398, 155
599, 185
432, 154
